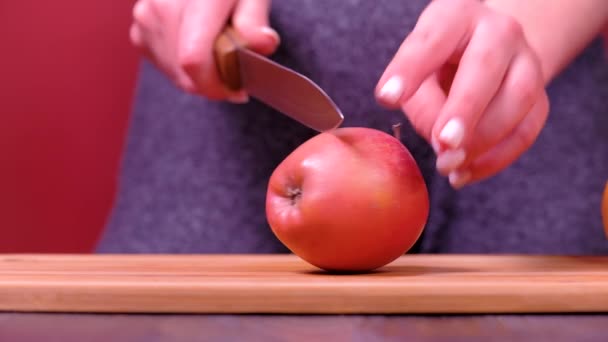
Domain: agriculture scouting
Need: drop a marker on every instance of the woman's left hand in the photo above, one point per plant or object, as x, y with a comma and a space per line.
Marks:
470, 84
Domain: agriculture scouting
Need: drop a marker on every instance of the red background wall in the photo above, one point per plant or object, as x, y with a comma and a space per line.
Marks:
67, 73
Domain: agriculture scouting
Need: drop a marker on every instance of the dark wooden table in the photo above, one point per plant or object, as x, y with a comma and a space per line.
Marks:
26, 327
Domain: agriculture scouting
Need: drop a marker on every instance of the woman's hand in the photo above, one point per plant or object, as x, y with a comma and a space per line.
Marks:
179, 36
470, 84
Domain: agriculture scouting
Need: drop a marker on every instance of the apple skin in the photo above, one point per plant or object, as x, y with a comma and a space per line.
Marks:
348, 200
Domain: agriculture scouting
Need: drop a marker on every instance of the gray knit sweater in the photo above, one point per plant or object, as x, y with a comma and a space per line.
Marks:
195, 172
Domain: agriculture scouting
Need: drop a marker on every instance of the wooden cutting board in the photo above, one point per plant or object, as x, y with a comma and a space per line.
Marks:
286, 284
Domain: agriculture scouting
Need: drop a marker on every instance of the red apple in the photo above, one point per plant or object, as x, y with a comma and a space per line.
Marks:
351, 199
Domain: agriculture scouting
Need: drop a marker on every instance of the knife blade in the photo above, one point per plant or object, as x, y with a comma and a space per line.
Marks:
281, 88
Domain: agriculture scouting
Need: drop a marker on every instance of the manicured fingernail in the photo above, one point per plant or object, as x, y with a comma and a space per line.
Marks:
270, 32
458, 179
392, 90
238, 98
452, 133
450, 160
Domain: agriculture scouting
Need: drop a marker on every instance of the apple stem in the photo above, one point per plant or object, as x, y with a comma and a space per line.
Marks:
397, 131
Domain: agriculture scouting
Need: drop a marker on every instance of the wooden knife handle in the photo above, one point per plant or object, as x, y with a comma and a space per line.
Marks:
226, 58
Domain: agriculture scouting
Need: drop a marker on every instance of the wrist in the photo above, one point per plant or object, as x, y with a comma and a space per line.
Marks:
557, 31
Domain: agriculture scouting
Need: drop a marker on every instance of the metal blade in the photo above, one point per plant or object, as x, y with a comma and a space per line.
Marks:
288, 92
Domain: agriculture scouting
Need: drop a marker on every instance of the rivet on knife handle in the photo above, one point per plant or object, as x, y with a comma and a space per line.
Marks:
226, 58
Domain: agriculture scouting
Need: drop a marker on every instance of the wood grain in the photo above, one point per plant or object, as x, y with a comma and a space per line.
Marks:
286, 284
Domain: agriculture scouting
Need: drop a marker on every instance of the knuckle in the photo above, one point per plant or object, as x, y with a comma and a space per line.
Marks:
451, 5
161, 7
135, 36
489, 58
526, 89
527, 133
194, 66
242, 21
507, 28
524, 137
425, 37
164, 11
190, 60
427, 34
187, 59
141, 12
526, 93
466, 7
467, 102
195, 79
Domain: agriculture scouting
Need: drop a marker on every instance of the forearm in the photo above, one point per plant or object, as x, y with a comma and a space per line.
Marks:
558, 30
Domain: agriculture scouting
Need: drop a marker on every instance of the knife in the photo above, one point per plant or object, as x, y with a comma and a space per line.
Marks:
279, 87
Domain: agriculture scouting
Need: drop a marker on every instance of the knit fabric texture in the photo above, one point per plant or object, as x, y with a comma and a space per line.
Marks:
195, 172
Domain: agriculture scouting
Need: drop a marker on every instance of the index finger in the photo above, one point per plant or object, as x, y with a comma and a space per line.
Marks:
441, 28
202, 22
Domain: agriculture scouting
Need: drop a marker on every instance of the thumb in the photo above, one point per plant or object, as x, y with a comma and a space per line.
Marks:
250, 20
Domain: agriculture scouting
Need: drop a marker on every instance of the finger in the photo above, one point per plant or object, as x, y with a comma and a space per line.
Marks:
144, 15
145, 28
520, 90
201, 24
423, 107
171, 14
136, 36
159, 37
140, 39
250, 20
506, 152
434, 39
480, 74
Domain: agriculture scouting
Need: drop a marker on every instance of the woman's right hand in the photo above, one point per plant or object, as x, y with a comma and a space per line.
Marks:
178, 36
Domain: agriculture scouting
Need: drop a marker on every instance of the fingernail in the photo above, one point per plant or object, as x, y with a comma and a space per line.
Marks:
392, 90
458, 179
238, 98
452, 133
450, 160
270, 32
